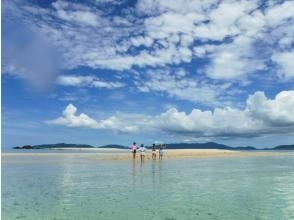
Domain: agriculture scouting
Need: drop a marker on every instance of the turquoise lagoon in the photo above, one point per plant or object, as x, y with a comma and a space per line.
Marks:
51, 186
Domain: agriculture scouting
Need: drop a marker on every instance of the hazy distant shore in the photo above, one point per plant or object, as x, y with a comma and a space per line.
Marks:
123, 154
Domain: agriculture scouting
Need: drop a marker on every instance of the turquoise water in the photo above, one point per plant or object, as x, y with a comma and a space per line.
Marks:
66, 187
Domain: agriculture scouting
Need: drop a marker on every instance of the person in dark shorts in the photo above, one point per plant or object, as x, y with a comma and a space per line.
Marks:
161, 151
134, 149
154, 152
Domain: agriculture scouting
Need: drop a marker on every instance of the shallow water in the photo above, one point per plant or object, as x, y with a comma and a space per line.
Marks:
66, 187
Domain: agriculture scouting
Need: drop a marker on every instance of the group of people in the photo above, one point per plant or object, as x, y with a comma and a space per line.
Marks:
142, 150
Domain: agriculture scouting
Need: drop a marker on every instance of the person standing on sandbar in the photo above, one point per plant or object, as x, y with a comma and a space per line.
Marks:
134, 150
142, 150
154, 152
161, 151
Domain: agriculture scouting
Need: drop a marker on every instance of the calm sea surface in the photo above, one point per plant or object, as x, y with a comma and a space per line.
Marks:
66, 187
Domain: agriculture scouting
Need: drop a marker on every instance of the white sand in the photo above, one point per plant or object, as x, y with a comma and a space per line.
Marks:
122, 154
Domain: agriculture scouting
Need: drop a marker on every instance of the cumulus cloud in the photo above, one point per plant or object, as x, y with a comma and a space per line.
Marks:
277, 112
71, 119
87, 81
116, 123
260, 116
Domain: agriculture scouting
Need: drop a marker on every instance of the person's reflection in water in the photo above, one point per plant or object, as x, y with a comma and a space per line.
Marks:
160, 166
142, 172
153, 172
134, 171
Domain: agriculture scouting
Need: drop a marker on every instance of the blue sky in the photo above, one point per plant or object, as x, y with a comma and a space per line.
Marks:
107, 71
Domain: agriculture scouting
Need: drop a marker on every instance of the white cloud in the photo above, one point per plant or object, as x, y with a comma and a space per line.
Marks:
145, 41
228, 35
87, 81
251, 25
232, 61
169, 23
117, 123
277, 14
278, 112
260, 116
219, 122
76, 13
285, 61
126, 123
227, 65
75, 80
177, 84
223, 20
70, 119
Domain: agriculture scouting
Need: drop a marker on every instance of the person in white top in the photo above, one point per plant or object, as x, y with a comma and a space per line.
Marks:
142, 151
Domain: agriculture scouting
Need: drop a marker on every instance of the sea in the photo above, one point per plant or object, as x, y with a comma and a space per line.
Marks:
69, 187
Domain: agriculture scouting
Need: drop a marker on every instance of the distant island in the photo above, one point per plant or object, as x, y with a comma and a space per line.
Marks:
207, 145
284, 147
213, 145
117, 146
49, 146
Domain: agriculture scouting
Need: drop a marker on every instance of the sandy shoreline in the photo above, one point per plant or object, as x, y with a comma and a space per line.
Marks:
121, 154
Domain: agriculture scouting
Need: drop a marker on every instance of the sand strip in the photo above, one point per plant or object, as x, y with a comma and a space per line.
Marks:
118, 154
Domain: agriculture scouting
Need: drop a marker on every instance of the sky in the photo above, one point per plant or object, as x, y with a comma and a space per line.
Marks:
117, 71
